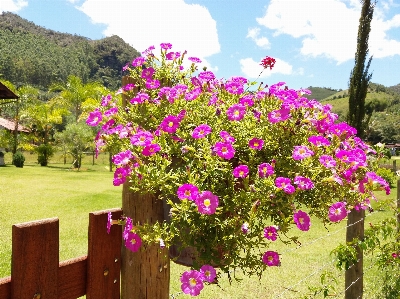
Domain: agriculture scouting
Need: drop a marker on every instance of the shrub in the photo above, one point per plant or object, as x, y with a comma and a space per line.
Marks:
45, 152
18, 159
388, 175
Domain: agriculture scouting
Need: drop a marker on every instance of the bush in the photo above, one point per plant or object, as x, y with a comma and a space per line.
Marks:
18, 159
388, 175
45, 152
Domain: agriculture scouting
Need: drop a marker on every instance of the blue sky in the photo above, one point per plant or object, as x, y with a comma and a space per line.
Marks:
313, 41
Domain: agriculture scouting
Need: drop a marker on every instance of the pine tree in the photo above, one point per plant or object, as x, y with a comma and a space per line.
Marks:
359, 76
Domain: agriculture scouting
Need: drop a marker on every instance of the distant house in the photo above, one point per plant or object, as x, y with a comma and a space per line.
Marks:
10, 126
6, 95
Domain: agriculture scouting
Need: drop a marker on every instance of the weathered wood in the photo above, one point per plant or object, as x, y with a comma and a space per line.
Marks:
34, 265
146, 273
354, 275
104, 257
5, 287
72, 278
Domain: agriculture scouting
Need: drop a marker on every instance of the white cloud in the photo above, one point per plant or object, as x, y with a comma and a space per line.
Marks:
262, 41
252, 69
143, 23
12, 5
329, 27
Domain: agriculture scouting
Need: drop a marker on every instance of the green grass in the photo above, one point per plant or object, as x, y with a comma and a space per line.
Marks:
34, 192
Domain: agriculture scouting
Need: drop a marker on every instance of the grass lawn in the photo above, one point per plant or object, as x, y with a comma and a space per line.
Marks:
34, 192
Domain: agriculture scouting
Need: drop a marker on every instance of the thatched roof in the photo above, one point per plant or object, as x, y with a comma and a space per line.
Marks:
6, 94
10, 125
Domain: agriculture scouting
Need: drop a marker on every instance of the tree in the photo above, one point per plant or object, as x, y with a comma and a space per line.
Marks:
359, 76
76, 139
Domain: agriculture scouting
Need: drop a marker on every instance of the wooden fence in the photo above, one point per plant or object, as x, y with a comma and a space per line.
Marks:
37, 273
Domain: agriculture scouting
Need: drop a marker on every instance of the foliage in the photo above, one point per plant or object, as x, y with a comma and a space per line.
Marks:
45, 152
37, 56
231, 162
388, 175
359, 77
76, 139
320, 93
18, 159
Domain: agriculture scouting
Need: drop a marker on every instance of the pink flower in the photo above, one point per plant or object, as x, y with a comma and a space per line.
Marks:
327, 161
142, 138
138, 61
207, 203
194, 59
193, 94
302, 220
270, 233
256, 143
172, 55
337, 211
234, 87
227, 137
265, 170
224, 150
151, 149
94, 118
109, 222
303, 183
278, 115
284, 184
187, 191
122, 158
148, 73
170, 124
247, 101
271, 258
206, 76
319, 140
141, 97
241, 171
301, 152
133, 242
268, 62
120, 175
245, 228
127, 228
201, 131
236, 112
192, 282
208, 273
152, 84
166, 46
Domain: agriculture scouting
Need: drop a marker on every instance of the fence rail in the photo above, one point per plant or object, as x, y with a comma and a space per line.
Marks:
37, 273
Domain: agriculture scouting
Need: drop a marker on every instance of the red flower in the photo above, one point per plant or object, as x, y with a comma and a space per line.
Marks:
268, 62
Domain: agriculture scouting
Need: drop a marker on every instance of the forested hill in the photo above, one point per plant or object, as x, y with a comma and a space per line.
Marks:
30, 54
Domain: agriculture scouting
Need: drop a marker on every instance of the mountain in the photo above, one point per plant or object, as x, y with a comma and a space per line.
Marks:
34, 55
319, 93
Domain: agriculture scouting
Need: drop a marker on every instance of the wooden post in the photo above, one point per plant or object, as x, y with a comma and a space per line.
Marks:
34, 266
144, 274
398, 209
354, 275
394, 166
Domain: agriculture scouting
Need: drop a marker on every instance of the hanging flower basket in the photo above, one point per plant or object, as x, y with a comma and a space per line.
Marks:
237, 163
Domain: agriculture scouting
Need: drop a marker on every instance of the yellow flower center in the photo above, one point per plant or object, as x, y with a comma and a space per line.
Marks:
208, 273
192, 282
187, 193
170, 124
241, 173
301, 220
224, 149
207, 202
255, 144
133, 241
270, 258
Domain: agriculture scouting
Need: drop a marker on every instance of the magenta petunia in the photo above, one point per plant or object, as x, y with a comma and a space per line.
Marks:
234, 87
166, 46
271, 258
327, 161
142, 138
206, 76
151, 149
247, 100
284, 184
227, 137
187, 191
138, 61
201, 131
194, 59
301, 152
224, 150
140, 98
241, 171
122, 158
303, 183
265, 170
148, 73
319, 140
172, 55
94, 118
256, 143
120, 175
236, 112
133, 242
111, 111
170, 124
127, 228
278, 115
193, 94
192, 282
245, 228
208, 273
337, 211
271, 233
207, 202
302, 220
152, 84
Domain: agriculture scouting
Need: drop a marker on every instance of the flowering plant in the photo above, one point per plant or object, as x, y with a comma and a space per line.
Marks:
238, 164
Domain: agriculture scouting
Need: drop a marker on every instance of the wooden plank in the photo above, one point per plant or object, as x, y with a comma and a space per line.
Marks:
104, 257
35, 257
72, 278
145, 273
5, 287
